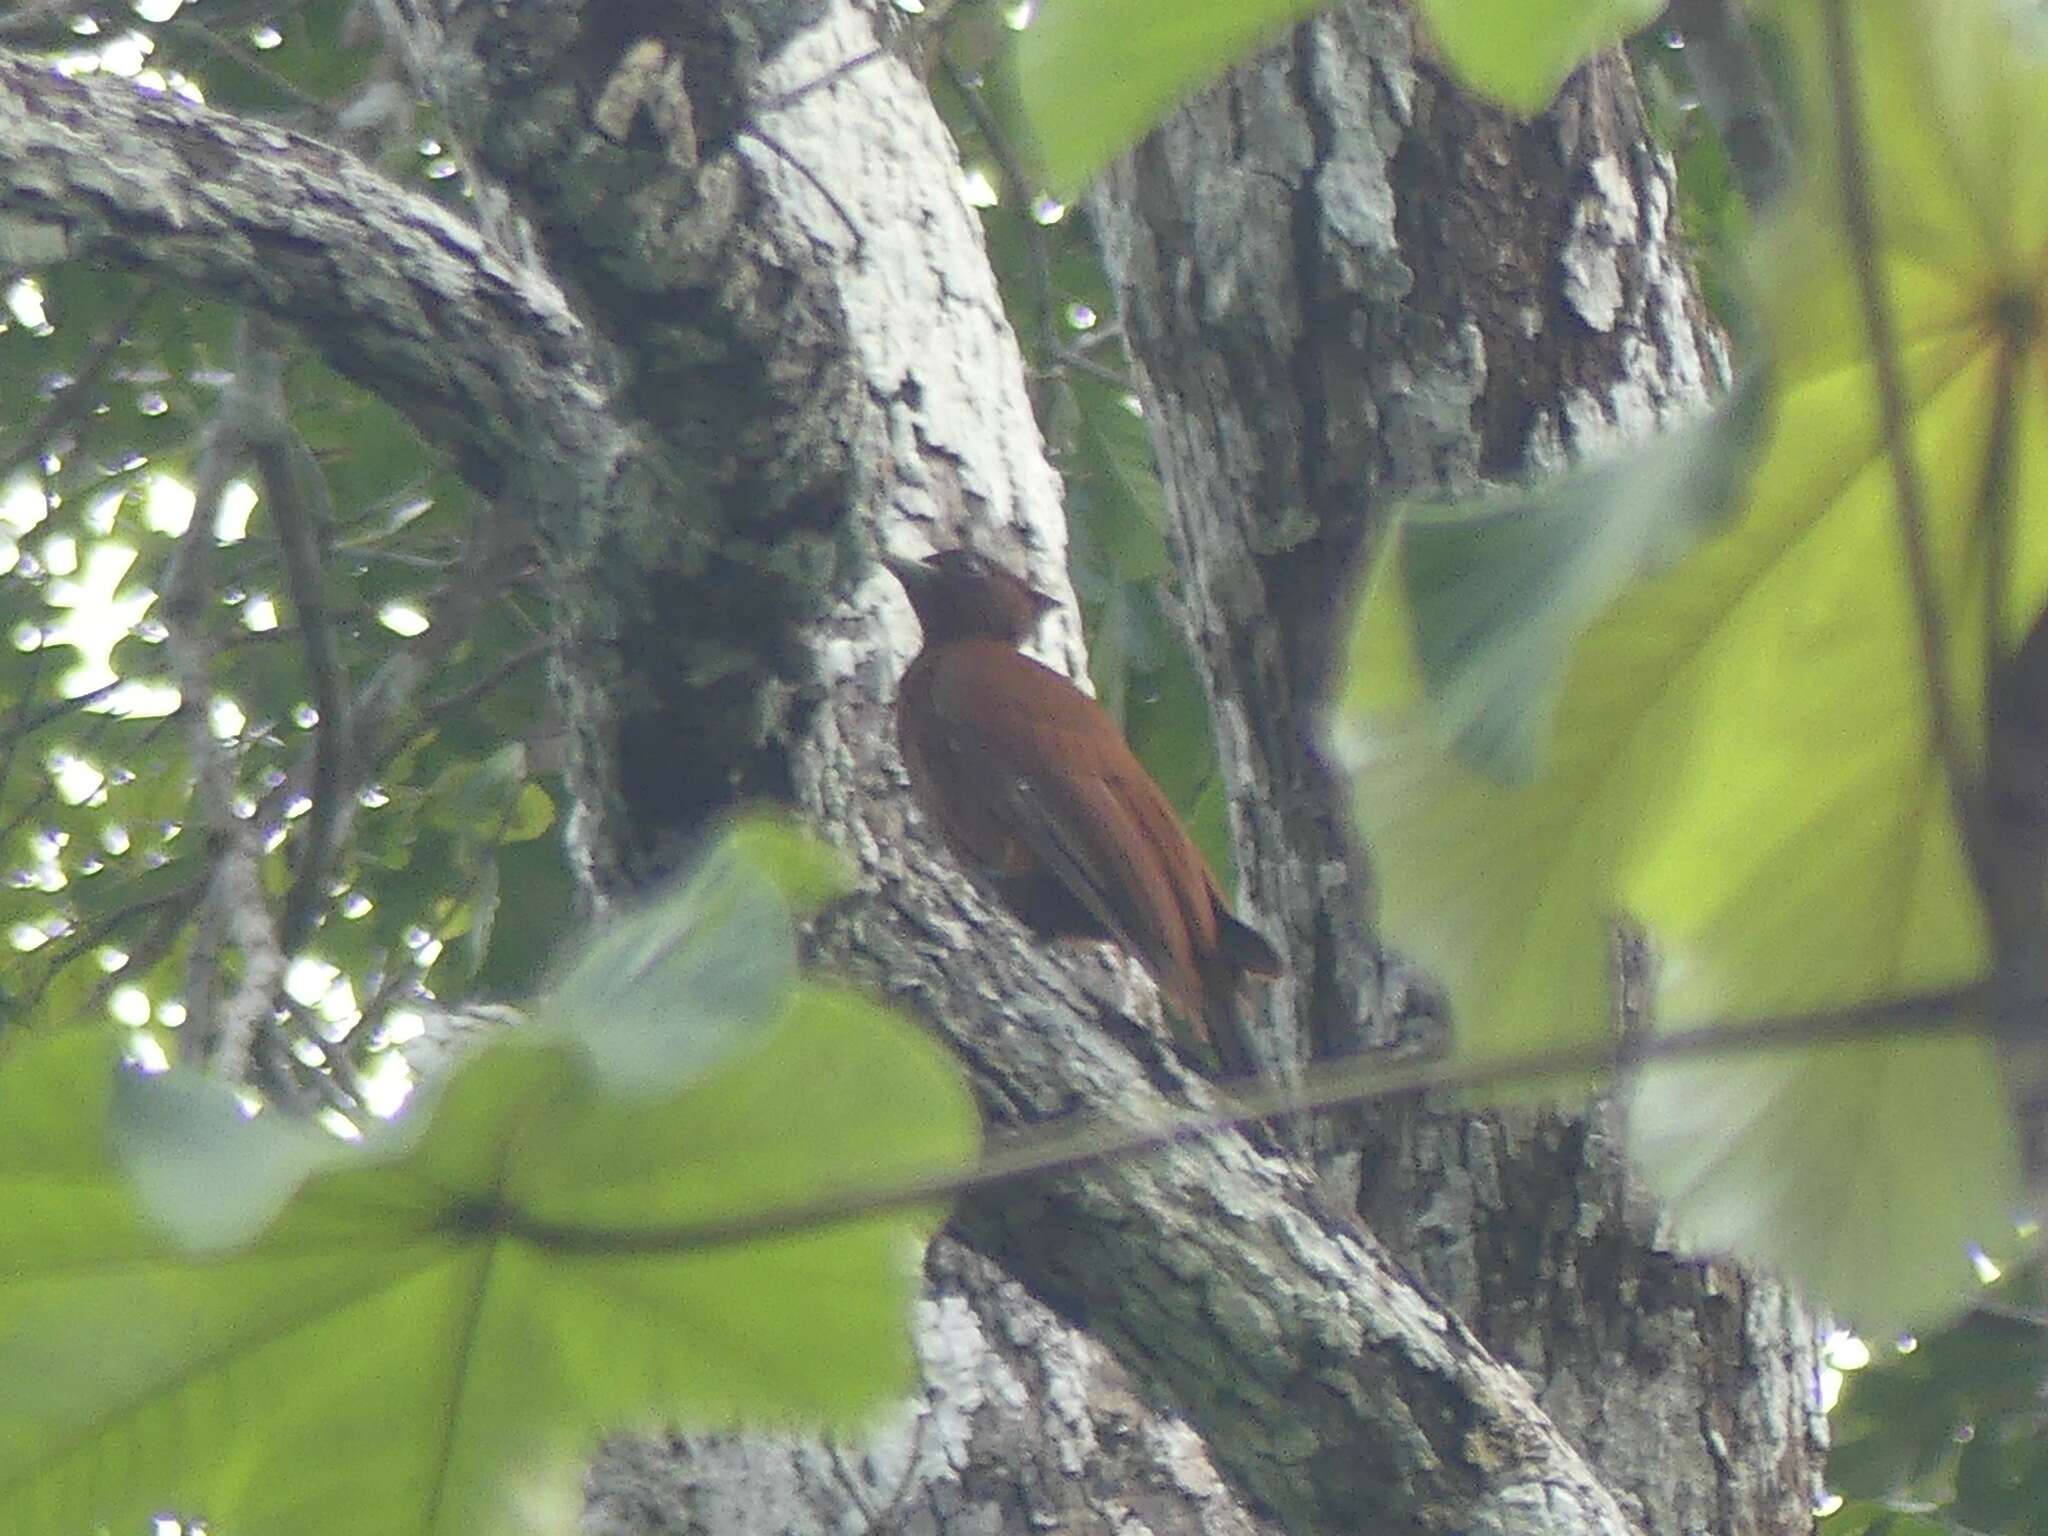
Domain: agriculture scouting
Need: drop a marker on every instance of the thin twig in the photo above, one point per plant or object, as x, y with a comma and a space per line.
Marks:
400, 980
344, 1084
1728, 73
152, 947
1017, 187
1034, 1156
51, 714
295, 495
94, 731
81, 942
235, 909
183, 610
1860, 223
1994, 498
783, 101
775, 147
23, 723
391, 693
1081, 362
244, 58
294, 1085
70, 404
462, 698
2010, 1312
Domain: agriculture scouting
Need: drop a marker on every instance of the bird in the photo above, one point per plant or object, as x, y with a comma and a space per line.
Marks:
1037, 793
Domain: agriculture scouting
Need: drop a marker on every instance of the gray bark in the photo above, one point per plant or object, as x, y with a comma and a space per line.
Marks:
748, 386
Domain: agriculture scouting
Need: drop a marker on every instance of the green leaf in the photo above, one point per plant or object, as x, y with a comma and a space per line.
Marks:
1095, 75
470, 1306
1870, 1170
483, 900
207, 1172
808, 872
1869, 1518
1500, 592
533, 812
478, 797
1742, 756
1900, 1426
659, 995
535, 909
1817, 862
1505, 892
1519, 51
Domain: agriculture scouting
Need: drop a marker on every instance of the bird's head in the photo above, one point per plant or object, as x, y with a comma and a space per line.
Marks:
960, 595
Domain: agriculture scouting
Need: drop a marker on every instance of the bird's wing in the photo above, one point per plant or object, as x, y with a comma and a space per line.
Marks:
1057, 773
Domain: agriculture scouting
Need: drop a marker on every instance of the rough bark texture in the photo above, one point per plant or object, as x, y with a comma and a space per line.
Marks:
1346, 284
1027, 1425
749, 384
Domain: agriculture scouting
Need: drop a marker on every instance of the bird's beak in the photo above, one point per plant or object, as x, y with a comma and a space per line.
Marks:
913, 575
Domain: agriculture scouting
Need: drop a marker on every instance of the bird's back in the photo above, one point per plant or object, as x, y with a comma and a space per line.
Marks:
1030, 778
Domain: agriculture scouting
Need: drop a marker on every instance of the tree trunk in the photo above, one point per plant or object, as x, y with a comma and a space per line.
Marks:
716, 350
1346, 283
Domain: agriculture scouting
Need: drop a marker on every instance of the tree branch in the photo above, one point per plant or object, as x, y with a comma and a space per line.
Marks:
223, 1033
394, 290
1054, 1150
296, 497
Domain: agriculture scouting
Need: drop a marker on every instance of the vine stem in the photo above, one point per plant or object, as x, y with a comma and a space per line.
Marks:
1860, 224
1029, 1156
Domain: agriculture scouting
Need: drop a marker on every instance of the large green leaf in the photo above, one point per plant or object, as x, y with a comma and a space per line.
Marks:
1519, 51
1095, 74
1502, 884
429, 1338
1740, 755
1499, 594
1816, 861
661, 994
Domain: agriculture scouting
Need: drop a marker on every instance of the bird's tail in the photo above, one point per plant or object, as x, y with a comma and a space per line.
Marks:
1241, 951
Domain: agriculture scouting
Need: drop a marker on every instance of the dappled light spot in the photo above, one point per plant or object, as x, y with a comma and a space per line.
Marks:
23, 504
24, 300
127, 54
978, 189
403, 619
167, 505
146, 1052
231, 526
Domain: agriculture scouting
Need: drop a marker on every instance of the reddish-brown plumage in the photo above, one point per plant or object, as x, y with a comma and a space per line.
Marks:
1035, 789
